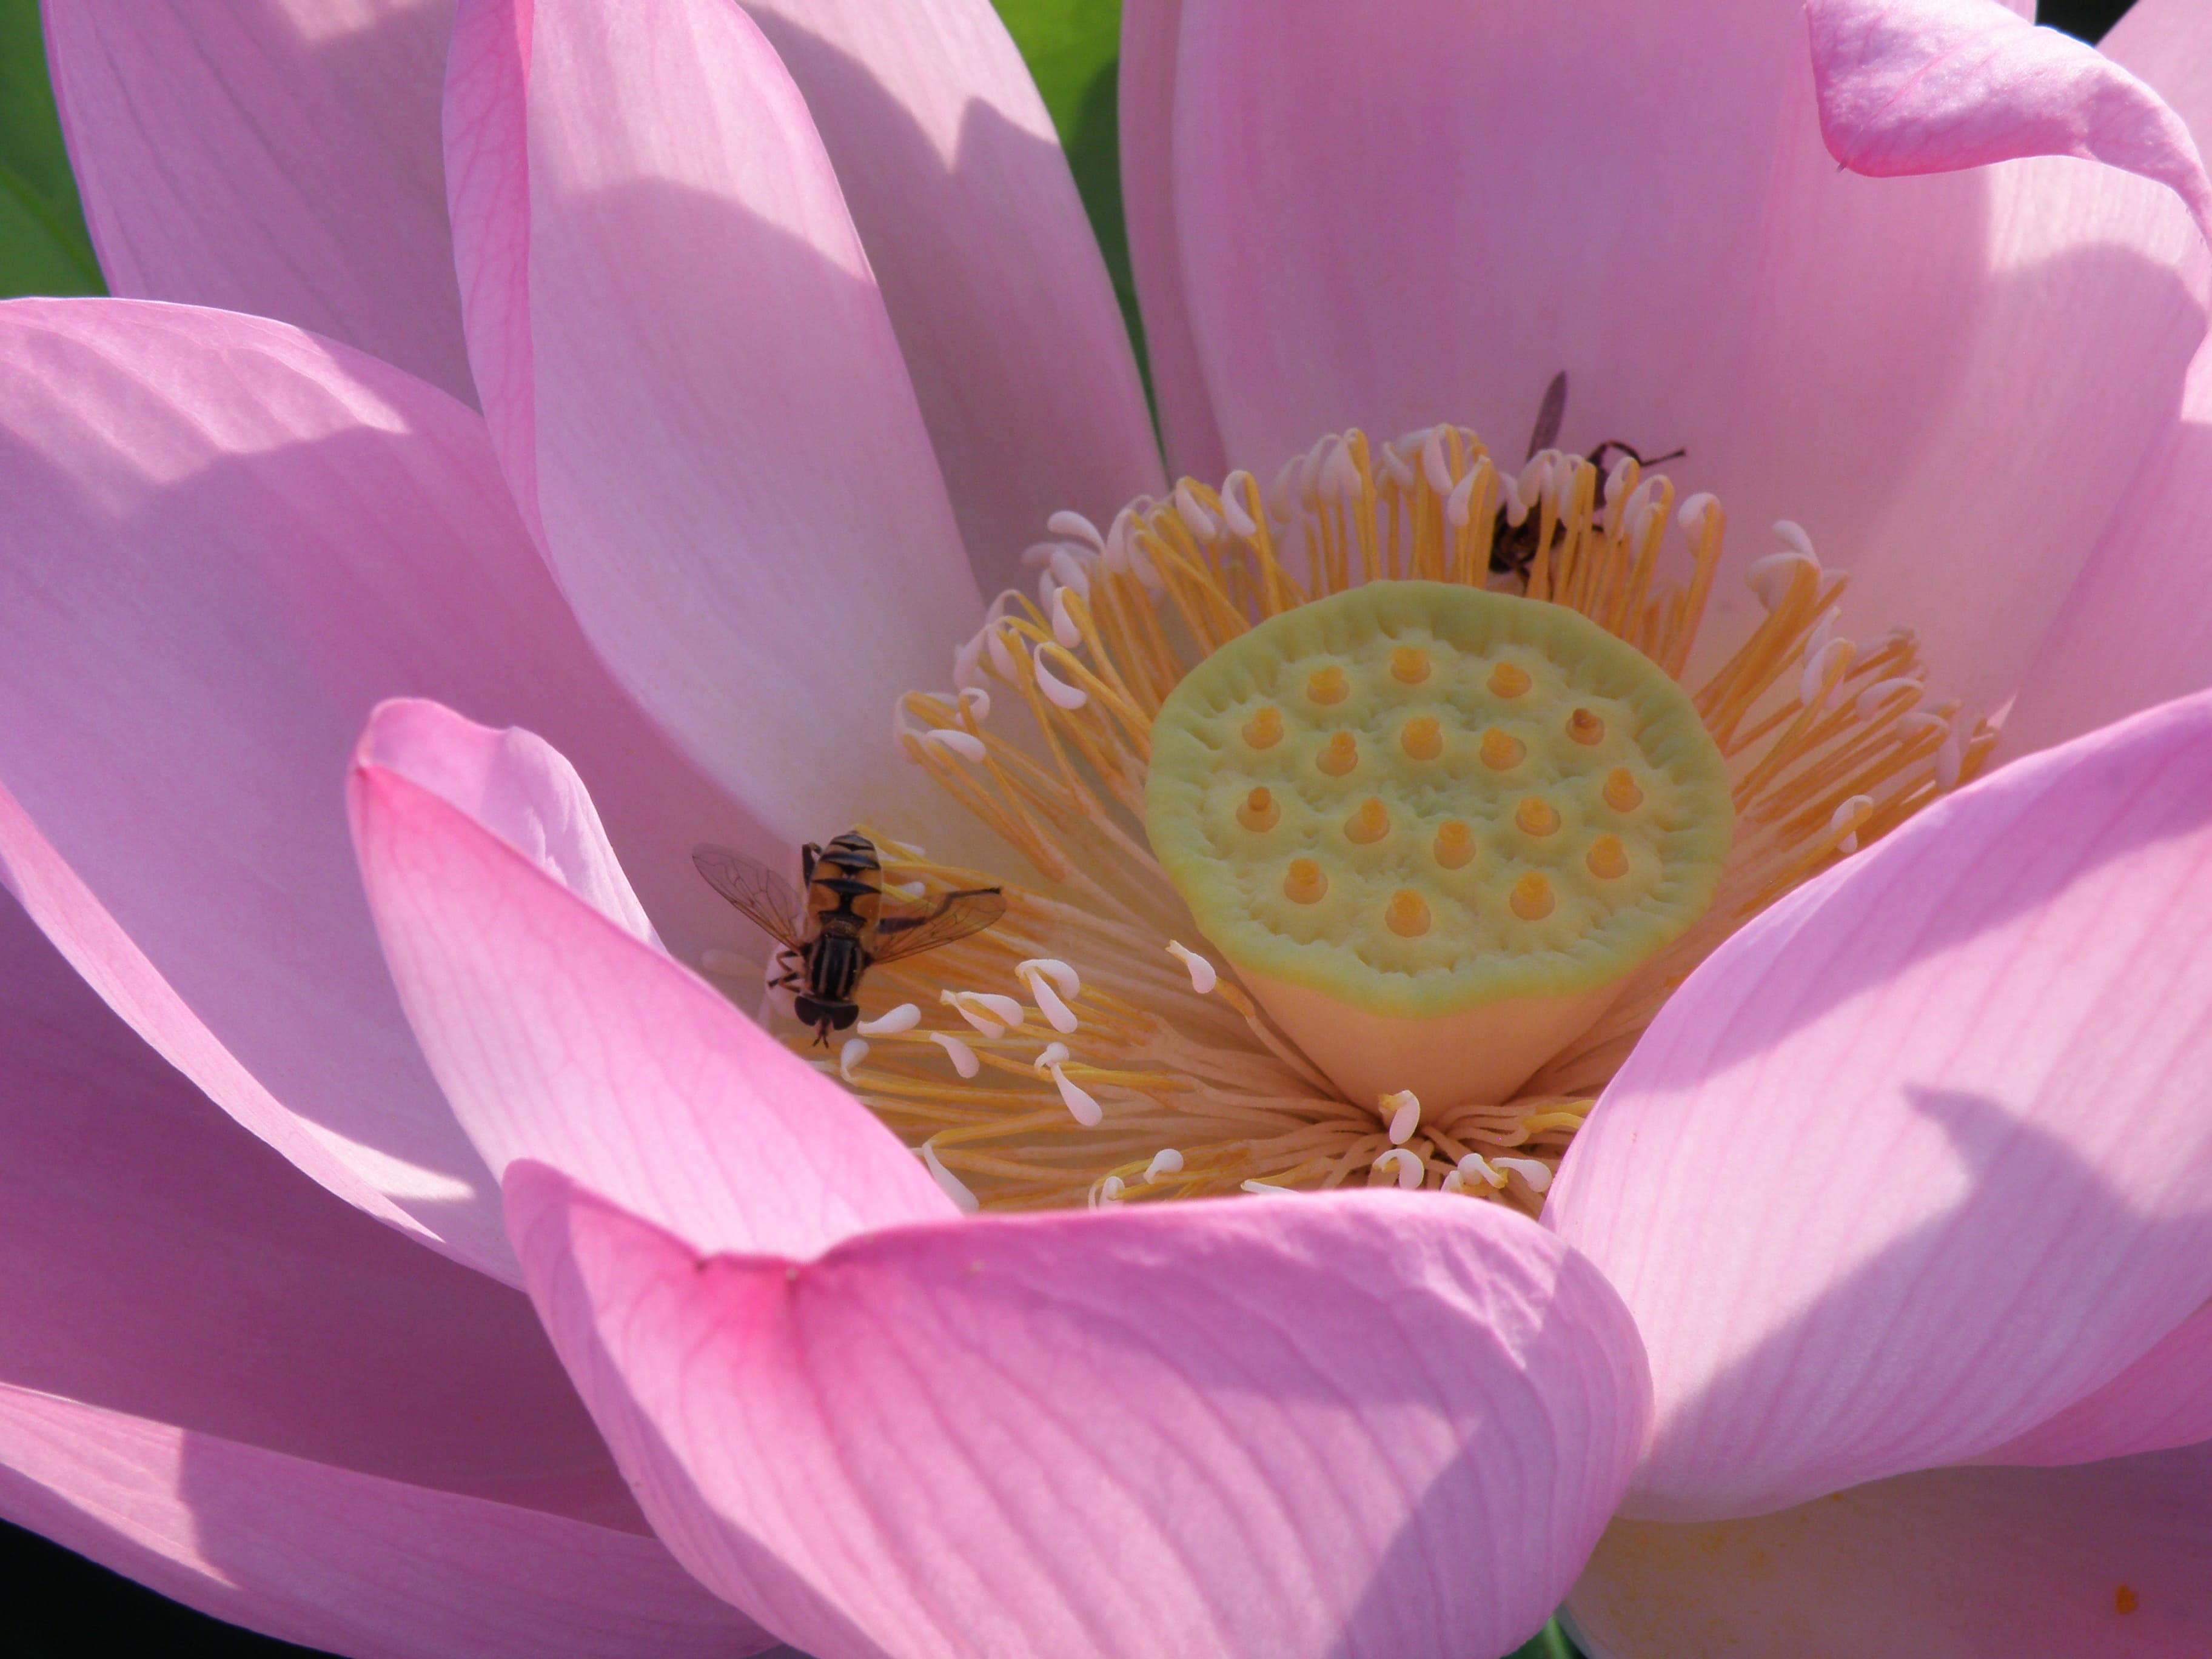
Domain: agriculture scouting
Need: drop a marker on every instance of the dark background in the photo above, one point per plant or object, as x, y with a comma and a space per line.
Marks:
54, 1605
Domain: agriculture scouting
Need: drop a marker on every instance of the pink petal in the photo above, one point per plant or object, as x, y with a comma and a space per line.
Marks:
1924, 1155
560, 1035
335, 1559
2163, 1399
1388, 225
989, 269
2136, 629
216, 1378
1929, 86
1351, 1425
698, 397
274, 156
517, 786
1970, 1564
226, 542
1145, 88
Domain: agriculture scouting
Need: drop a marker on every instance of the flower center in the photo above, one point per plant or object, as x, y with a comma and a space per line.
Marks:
1372, 821
1435, 828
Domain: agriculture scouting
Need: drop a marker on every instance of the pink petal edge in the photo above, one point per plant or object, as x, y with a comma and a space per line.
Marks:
1979, 1066
560, 1035
1927, 86
230, 540
269, 156
698, 398
1354, 1425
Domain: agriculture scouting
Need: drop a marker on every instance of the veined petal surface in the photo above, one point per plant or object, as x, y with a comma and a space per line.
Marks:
218, 1380
1351, 1425
699, 397
279, 157
993, 281
1392, 214
562, 1036
1923, 1154
229, 541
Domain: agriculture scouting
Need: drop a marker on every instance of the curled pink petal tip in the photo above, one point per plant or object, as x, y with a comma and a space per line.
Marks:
1929, 86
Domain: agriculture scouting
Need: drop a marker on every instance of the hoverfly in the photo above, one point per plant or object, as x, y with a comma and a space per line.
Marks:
1513, 546
838, 930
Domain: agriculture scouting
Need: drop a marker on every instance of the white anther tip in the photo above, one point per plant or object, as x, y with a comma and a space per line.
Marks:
1402, 1112
904, 1017
1793, 535
1066, 523
966, 744
1407, 1167
1203, 979
1265, 1189
1057, 689
954, 1187
851, 1055
1192, 512
1107, 1191
961, 1056
1538, 1176
1475, 1167
1233, 490
1692, 513
1165, 1162
1081, 1106
1064, 627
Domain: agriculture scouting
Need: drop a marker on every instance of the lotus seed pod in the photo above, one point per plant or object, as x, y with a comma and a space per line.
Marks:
1493, 815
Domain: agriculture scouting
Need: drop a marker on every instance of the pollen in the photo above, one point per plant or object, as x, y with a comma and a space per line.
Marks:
1537, 817
1369, 824
1532, 899
1606, 858
1454, 848
1165, 671
1328, 685
1407, 915
1258, 810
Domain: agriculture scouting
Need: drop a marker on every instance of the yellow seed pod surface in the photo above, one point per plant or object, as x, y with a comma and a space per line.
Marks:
1580, 706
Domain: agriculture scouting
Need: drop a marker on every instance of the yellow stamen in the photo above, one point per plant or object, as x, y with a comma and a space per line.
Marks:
1208, 1074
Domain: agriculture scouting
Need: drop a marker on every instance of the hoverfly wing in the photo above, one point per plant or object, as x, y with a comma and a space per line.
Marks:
1550, 414
771, 902
957, 914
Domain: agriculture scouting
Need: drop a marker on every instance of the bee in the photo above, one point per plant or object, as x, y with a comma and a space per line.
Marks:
838, 930
1513, 547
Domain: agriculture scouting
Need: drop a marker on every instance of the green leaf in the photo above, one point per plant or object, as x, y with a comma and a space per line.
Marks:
1072, 48
1549, 1642
44, 248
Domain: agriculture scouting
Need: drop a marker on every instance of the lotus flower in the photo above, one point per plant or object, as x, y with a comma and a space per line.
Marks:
1871, 1295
